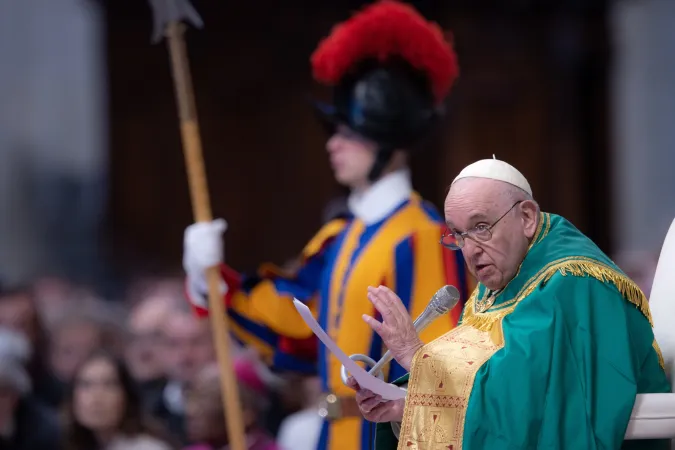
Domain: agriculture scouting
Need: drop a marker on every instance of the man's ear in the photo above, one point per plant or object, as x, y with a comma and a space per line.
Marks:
530, 216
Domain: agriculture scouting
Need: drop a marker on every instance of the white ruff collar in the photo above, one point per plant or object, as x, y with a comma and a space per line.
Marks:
382, 198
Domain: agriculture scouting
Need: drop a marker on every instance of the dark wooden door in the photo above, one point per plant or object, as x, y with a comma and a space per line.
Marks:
532, 91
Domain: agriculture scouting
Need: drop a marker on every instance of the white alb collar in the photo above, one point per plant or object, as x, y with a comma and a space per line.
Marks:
380, 199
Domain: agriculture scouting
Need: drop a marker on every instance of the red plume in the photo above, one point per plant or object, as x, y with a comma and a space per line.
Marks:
384, 29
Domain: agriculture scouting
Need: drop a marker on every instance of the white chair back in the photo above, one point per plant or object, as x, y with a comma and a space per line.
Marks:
662, 301
654, 414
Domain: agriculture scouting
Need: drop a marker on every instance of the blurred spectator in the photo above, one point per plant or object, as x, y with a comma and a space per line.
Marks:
206, 417
25, 424
285, 398
185, 348
170, 288
52, 294
79, 331
18, 311
104, 410
301, 430
142, 352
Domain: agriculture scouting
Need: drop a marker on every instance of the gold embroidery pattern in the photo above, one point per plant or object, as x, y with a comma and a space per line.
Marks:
575, 266
582, 266
443, 371
542, 231
579, 266
441, 381
438, 401
484, 303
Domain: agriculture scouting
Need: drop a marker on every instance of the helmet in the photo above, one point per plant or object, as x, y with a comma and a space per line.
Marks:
390, 71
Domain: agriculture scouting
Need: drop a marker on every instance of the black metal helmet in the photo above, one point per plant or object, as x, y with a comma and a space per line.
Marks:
390, 70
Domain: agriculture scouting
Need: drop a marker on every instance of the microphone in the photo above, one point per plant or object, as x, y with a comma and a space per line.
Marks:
443, 301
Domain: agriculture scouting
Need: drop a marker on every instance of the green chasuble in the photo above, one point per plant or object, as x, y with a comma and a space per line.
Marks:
552, 361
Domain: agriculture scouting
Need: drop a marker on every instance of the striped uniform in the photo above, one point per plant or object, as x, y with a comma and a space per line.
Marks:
401, 251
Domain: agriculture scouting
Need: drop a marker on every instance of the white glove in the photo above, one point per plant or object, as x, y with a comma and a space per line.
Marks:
202, 248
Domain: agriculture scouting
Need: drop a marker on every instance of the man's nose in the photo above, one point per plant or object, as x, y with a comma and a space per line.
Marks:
333, 144
471, 249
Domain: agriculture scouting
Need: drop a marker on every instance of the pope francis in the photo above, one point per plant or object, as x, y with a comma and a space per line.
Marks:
554, 343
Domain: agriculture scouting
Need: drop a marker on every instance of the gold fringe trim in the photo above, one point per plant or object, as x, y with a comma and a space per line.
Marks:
657, 349
484, 322
574, 266
627, 287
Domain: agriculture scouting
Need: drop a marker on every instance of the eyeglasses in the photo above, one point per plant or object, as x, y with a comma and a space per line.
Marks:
479, 233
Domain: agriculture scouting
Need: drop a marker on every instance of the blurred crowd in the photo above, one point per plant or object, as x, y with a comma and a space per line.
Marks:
78, 372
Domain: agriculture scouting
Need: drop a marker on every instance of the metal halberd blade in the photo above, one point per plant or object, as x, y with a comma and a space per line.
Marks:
167, 11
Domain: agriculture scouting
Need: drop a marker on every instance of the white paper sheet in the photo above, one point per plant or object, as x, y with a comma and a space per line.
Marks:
365, 380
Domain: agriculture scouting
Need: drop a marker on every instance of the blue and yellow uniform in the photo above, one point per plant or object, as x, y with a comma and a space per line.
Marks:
390, 71
398, 247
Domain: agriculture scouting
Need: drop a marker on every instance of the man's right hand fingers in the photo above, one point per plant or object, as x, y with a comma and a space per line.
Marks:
352, 383
364, 395
378, 412
370, 404
380, 303
374, 324
394, 301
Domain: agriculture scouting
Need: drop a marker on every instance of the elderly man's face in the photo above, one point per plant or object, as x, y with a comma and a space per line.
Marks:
186, 346
17, 311
142, 353
204, 414
475, 201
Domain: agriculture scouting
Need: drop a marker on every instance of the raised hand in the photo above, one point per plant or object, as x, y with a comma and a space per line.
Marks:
396, 329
